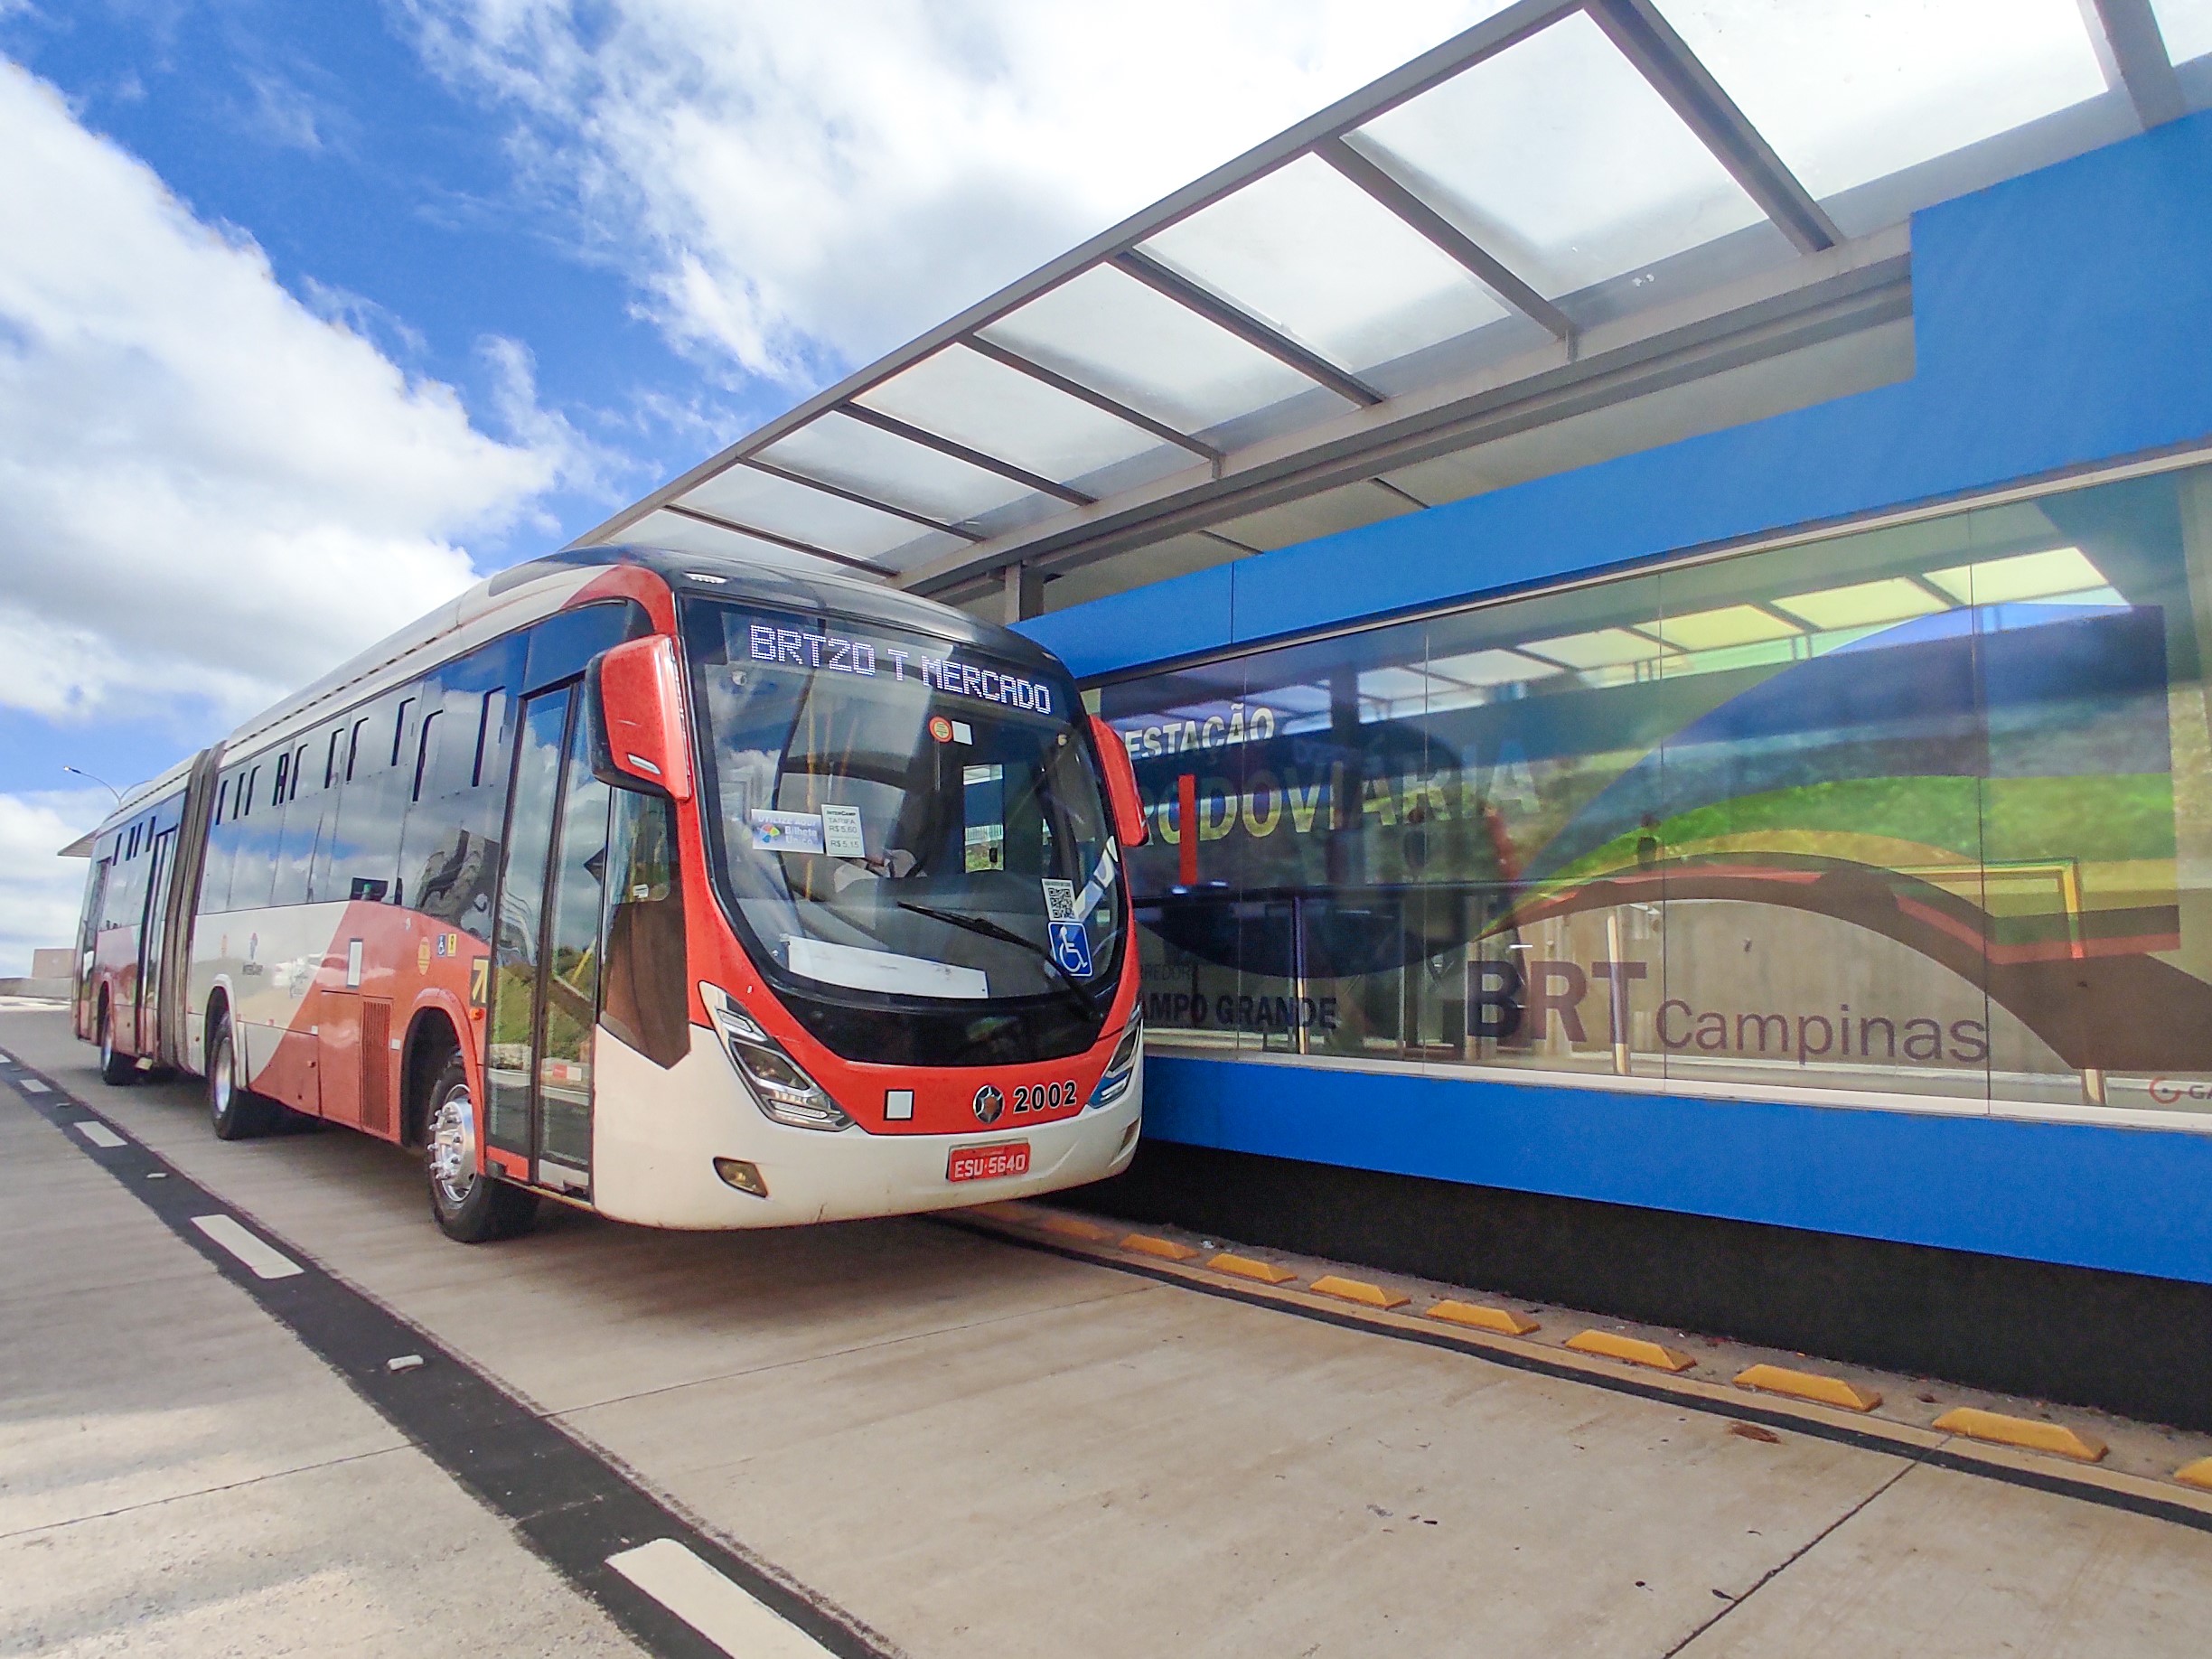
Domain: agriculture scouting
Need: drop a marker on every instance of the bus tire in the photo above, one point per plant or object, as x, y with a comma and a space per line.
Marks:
470, 1204
116, 1068
234, 1110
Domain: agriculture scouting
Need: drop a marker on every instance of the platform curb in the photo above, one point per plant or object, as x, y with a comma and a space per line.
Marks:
1808, 1385
2183, 1504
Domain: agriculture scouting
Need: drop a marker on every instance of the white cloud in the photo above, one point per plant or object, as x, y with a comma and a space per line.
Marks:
39, 892
208, 491
802, 186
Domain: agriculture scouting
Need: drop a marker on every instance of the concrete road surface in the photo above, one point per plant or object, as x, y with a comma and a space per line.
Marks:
960, 1446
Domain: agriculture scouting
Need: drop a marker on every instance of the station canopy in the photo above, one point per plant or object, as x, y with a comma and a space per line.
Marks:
1566, 207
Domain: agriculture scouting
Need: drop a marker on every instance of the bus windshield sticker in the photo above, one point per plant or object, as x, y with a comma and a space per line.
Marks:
786, 832
1059, 900
841, 832
963, 732
1071, 948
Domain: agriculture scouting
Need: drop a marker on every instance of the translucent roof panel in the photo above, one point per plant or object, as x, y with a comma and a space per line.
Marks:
1308, 251
2187, 26
964, 396
1846, 92
673, 530
768, 503
1112, 334
885, 467
1559, 158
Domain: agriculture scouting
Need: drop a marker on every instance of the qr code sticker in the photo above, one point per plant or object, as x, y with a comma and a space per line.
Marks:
1059, 901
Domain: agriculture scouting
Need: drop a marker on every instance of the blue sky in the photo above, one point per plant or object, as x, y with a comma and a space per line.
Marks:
311, 313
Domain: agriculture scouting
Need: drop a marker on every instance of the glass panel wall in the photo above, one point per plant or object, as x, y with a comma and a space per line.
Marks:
1920, 812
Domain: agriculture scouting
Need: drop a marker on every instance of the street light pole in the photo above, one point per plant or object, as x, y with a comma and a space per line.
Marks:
103, 782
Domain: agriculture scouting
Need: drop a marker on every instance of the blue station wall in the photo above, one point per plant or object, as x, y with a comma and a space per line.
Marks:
2061, 320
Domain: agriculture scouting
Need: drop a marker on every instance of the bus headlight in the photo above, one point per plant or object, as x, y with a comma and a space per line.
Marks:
780, 1084
1121, 1070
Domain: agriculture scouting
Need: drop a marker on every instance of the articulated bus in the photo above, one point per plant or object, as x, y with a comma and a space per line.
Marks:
699, 895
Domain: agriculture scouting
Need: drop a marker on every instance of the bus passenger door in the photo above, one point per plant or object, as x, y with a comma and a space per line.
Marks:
153, 945
545, 972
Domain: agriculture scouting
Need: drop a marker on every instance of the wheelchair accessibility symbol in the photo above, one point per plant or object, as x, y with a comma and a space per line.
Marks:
1071, 948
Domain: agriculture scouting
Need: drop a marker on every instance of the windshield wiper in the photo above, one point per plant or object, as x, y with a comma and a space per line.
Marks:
992, 929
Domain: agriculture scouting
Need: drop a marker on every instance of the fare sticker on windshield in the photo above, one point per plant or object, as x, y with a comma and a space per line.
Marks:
831, 653
786, 832
1059, 900
840, 829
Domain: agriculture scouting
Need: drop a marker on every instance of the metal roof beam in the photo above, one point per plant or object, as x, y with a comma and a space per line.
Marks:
1419, 216
1486, 39
858, 499
1097, 400
1649, 42
1246, 327
774, 540
961, 452
2139, 53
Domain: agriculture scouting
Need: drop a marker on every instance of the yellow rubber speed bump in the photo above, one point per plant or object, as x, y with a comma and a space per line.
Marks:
1244, 1266
1359, 1290
1073, 1227
1808, 1385
2197, 1474
1152, 1246
1634, 1349
1502, 1320
2055, 1437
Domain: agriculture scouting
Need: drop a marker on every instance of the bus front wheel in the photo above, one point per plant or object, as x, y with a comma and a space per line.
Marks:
468, 1202
236, 1112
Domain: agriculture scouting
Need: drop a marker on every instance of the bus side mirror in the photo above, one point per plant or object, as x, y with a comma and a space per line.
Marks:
634, 696
1128, 813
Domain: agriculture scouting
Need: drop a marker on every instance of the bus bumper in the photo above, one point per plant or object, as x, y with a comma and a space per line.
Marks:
652, 1155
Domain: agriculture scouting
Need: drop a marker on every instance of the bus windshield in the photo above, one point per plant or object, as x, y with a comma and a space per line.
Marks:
902, 816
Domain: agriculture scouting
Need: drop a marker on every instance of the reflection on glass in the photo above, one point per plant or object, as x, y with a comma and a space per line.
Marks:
514, 946
1921, 811
572, 963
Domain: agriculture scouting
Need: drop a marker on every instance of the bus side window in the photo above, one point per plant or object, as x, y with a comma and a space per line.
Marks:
300, 841
253, 860
362, 824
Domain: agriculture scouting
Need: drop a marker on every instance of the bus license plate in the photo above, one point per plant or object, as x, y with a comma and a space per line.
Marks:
1010, 1157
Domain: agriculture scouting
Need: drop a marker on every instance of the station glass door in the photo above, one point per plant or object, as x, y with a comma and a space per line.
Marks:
546, 949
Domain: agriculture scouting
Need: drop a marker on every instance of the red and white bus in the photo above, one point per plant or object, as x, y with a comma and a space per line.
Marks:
701, 894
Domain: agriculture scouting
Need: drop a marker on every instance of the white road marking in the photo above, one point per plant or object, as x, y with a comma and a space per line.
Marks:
30, 1085
265, 1260
676, 1576
101, 1136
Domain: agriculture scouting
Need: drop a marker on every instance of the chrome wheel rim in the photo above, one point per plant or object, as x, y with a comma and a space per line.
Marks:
220, 1081
453, 1147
